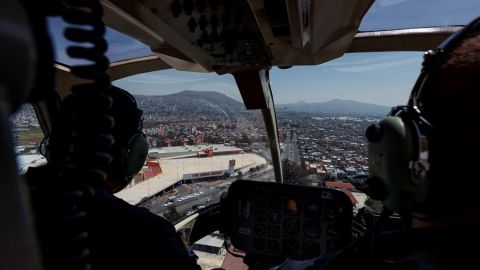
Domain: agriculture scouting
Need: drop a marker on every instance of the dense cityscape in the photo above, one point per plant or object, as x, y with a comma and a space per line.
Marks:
329, 148
314, 148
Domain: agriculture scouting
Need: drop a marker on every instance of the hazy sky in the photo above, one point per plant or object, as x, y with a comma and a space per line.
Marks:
172, 81
381, 78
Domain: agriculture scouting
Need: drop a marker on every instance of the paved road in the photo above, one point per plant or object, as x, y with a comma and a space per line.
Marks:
211, 193
290, 149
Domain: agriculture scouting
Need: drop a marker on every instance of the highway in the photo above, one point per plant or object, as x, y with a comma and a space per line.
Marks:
290, 149
210, 194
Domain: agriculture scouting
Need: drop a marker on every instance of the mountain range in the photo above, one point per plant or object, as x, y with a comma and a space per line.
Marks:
191, 102
210, 102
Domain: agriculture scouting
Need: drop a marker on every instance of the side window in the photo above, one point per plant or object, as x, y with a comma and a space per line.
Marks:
27, 137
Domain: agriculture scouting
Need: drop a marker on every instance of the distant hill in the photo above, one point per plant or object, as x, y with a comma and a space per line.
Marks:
336, 107
191, 102
210, 103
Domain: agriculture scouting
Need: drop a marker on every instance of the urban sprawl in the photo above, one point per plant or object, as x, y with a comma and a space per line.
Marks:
314, 148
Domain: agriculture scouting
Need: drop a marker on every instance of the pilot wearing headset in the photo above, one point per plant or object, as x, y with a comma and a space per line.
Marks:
121, 235
423, 161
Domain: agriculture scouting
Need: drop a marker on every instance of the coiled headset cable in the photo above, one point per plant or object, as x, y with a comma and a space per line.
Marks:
80, 146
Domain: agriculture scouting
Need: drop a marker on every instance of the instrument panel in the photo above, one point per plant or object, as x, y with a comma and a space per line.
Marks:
290, 221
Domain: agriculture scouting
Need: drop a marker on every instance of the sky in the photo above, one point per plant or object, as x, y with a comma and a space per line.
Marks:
379, 78
120, 46
171, 81
398, 14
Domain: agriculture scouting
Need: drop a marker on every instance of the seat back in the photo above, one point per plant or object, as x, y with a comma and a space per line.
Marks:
18, 248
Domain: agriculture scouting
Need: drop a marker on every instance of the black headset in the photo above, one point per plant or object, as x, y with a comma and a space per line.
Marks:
134, 152
398, 149
130, 151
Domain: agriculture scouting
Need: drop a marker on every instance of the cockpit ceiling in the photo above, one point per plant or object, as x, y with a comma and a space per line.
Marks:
230, 35
266, 33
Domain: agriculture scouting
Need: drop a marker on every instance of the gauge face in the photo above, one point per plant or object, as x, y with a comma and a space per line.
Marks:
274, 231
313, 209
291, 226
274, 216
311, 229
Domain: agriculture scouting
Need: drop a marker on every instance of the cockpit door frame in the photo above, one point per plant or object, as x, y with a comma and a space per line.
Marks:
254, 86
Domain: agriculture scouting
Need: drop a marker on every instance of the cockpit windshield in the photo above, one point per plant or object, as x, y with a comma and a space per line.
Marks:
405, 14
120, 46
202, 138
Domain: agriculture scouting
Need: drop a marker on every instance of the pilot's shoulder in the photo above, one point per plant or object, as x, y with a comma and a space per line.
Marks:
113, 209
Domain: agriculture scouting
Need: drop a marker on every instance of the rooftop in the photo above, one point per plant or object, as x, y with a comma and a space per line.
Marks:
211, 241
190, 150
173, 170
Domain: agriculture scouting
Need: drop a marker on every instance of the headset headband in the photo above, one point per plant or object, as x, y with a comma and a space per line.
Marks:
139, 112
432, 59
431, 63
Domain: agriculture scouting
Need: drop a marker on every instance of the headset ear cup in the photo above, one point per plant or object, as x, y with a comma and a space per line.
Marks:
136, 155
389, 157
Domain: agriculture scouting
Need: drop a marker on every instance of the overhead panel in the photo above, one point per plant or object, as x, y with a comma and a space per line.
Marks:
231, 35
222, 34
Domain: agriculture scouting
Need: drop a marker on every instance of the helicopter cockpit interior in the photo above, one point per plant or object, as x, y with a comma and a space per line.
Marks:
254, 154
